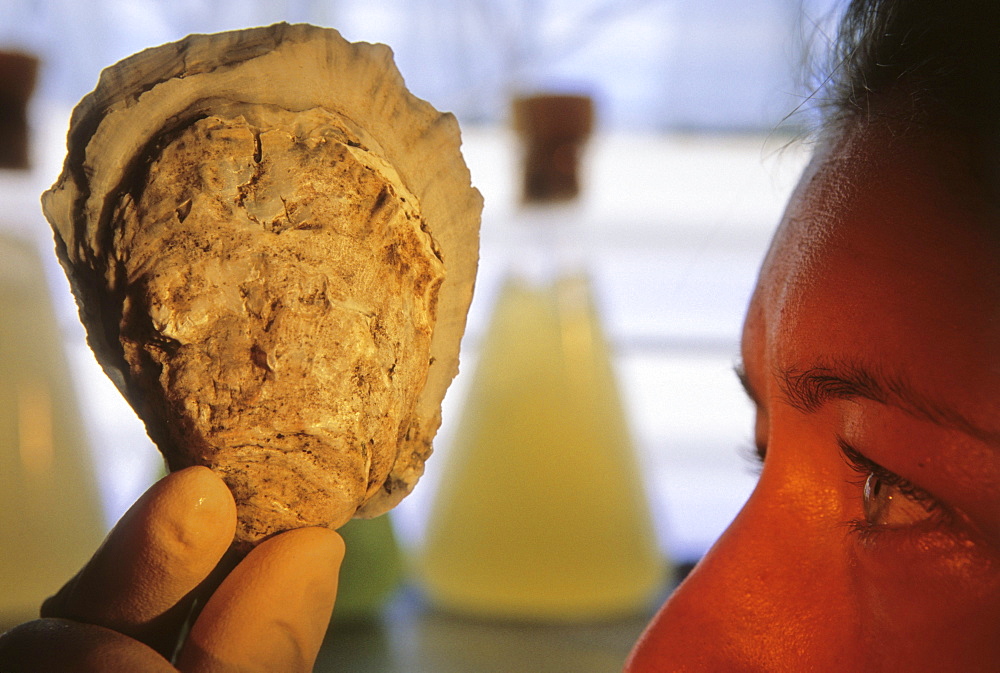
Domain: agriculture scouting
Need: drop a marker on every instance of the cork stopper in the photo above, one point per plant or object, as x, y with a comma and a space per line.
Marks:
553, 128
18, 73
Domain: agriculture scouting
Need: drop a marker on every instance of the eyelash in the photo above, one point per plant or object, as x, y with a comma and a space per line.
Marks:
753, 455
868, 469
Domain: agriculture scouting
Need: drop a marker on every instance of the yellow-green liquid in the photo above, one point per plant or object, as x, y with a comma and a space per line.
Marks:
371, 571
541, 512
50, 511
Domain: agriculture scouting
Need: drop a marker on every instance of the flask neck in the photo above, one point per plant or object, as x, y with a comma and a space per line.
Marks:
553, 129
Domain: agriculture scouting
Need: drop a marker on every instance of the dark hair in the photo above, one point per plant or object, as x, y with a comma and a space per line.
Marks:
925, 63
945, 54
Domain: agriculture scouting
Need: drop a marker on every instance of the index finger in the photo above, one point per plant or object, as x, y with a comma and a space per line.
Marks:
157, 554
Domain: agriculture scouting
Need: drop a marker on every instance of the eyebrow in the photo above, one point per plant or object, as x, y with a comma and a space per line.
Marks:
808, 389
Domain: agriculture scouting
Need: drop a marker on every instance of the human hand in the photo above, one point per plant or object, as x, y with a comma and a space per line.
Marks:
124, 610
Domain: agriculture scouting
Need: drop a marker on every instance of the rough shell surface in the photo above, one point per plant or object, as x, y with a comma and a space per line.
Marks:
273, 245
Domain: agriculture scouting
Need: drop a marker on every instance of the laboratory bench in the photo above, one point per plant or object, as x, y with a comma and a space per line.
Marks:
411, 636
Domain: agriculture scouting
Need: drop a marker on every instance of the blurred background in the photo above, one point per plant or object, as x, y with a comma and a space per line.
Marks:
698, 141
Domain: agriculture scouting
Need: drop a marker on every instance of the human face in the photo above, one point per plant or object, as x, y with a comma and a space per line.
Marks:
871, 349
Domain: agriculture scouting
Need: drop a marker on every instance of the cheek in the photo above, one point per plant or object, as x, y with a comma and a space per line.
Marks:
932, 601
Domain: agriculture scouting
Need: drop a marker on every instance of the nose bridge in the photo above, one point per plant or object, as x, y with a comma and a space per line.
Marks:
763, 591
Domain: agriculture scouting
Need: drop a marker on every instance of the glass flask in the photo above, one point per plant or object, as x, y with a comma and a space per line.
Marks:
371, 572
51, 518
541, 513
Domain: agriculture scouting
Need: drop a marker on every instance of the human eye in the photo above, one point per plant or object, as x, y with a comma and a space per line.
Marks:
889, 501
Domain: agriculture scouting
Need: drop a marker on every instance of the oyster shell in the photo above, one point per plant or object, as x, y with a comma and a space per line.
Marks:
273, 246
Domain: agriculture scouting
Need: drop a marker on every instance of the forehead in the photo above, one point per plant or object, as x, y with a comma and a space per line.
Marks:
885, 256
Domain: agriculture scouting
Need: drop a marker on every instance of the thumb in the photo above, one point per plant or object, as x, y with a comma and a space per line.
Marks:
272, 611
64, 646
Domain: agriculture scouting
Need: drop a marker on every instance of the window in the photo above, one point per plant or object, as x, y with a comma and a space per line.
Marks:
685, 180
